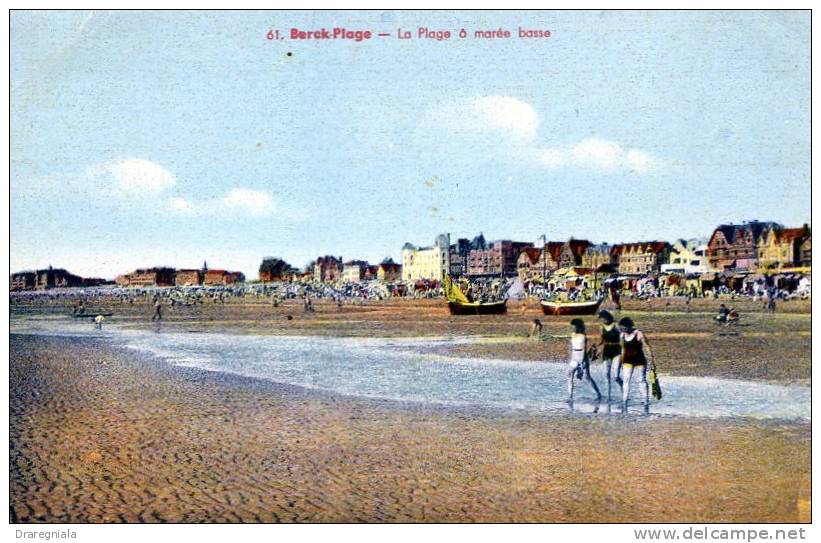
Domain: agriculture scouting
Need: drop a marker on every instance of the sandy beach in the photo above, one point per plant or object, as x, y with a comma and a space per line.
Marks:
686, 340
102, 434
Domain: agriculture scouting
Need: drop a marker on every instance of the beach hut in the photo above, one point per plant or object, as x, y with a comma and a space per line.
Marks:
708, 281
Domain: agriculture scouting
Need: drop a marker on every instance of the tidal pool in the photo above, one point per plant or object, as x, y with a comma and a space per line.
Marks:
398, 369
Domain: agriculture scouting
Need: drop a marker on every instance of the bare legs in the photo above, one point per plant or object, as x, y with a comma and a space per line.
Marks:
571, 380
615, 362
628, 373
591, 381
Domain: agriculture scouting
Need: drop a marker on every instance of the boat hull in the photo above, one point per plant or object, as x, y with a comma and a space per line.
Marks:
493, 308
570, 308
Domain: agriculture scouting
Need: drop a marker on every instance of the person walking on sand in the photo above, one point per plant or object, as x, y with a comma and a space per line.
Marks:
633, 344
610, 345
157, 311
535, 329
579, 363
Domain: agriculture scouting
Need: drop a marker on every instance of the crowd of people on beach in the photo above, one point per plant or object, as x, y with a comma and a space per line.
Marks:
767, 289
199, 295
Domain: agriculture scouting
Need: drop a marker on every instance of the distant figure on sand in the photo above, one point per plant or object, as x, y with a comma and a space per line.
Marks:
610, 345
98, 322
633, 343
157, 311
769, 306
578, 363
535, 328
723, 312
616, 297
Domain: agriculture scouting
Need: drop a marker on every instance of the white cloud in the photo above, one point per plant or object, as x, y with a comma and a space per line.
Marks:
518, 123
505, 115
142, 186
597, 154
508, 114
139, 176
640, 160
255, 202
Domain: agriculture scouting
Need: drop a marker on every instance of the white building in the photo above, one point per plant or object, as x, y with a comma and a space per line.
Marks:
687, 257
426, 262
354, 271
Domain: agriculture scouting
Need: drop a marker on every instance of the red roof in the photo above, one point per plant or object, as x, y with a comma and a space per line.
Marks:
578, 246
788, 234
554, 249
732, 231
642, 246
532, 253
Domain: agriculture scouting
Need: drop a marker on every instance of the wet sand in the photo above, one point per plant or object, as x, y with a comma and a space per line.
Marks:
99, 434
686, 340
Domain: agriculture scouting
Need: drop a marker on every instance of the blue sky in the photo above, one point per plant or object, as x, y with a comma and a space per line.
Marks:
169, 138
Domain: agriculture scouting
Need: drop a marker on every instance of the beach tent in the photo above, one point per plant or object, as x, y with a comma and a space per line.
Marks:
517, 290
804, 285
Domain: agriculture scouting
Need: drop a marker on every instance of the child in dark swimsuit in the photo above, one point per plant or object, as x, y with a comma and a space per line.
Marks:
610, 346
633, 342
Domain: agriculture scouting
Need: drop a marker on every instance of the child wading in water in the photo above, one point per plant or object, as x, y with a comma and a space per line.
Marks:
578, 359
611, 349
633, 343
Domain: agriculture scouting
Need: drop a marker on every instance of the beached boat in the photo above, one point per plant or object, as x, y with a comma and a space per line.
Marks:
571, 308
458, 303
476, 308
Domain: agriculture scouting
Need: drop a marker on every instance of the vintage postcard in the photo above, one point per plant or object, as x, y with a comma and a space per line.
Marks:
411, 267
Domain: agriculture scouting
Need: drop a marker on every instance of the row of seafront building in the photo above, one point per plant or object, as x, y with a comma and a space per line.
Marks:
51, 278
750, 247
157, 276
163, 276
330, 269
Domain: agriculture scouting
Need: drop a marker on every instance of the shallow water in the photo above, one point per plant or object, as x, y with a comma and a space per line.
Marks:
396, 369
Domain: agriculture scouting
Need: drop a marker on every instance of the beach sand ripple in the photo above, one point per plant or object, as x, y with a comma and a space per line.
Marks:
104, 435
